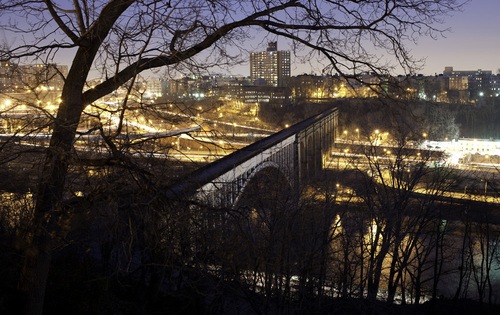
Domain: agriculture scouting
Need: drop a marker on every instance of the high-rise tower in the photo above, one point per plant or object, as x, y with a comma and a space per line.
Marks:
271, 67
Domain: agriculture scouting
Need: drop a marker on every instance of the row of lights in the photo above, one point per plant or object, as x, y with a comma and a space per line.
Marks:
377, 134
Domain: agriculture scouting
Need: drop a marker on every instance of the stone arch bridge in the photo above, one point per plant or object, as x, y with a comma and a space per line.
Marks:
297, 152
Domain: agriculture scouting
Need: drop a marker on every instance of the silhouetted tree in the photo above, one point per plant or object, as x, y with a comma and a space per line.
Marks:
122, 38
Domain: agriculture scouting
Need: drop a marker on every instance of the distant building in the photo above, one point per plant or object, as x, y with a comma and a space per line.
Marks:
495, 85
449, 71
460, 150
14, 77
180, 88
471, 84
271, 67
154, 88
276, 96
49, 76
7, 71
250, 94
314, 87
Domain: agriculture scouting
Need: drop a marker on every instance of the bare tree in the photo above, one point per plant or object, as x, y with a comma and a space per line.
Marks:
399, 187
122, 38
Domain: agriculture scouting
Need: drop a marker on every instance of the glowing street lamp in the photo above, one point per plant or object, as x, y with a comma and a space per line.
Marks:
376, 138
7, 103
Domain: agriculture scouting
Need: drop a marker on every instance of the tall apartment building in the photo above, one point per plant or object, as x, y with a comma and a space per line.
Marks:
271, 67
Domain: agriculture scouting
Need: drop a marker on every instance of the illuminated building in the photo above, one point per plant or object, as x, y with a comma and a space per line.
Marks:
475, 83
37, 76
457, 149
7, 71
271, 67
49, 75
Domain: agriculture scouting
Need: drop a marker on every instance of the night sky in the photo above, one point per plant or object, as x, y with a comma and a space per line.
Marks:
473, 42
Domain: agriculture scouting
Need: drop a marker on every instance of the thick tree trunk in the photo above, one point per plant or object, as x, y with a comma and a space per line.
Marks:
374, 284
374, 279
47, 210
393, 280
48, 207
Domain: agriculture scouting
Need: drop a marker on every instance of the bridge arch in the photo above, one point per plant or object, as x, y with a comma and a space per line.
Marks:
266, 165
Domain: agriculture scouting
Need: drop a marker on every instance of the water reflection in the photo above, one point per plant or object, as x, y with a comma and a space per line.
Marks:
418, 259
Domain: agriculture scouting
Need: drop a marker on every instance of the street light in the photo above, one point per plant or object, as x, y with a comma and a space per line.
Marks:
376, 136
